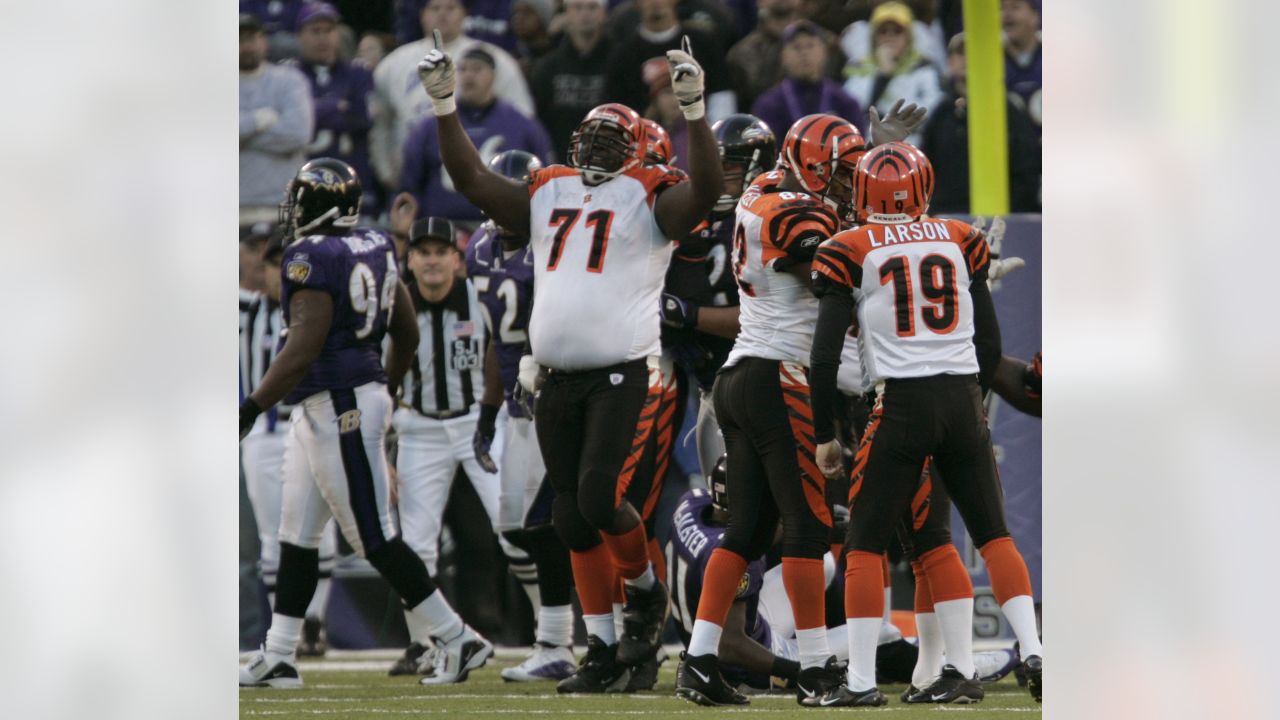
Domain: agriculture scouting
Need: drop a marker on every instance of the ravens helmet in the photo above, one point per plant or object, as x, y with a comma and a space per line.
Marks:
609, 141
747, 145
718, 481
325, 190
515, 164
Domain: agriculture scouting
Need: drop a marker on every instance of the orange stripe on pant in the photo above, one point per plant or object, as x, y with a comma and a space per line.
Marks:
1007, 569
665, 431
644, 426
795, 393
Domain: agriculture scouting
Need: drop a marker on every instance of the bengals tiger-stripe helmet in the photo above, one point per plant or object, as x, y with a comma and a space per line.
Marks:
893, 184
657, 144
816, 148
609, 141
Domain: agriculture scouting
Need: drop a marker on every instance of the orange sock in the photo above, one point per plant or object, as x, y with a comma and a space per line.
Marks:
948, 578
720, 585
593, 574
629, 550
863, 587
924, 596
658, 559
805, 585
1007, 569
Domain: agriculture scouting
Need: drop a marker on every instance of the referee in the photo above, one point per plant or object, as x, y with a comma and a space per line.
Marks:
440, 405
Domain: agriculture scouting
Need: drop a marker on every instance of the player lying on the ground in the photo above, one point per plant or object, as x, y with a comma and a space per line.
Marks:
342, 294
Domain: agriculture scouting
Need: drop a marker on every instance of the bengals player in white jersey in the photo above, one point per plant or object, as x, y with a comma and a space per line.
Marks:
930, 343
599, 230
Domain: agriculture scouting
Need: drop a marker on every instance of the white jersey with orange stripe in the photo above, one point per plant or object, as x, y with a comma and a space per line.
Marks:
600, 260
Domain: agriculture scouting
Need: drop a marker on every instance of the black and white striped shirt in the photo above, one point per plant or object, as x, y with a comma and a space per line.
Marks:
261, 325
446, 378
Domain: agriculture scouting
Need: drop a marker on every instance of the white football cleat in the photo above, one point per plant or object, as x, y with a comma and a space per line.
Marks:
547, 662
269, 671
454, 659
992, 666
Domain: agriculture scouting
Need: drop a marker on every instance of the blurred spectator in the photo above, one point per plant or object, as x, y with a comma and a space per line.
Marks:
805, 89
641, 55
275, 125
487, 20
894, 70
946, 143
664, 108
1021, 20
401, 100
253, 238
709, 17
280, 21
373, 47
493, 126
531, 26
340, 92
756, 61
570, 80
927, 35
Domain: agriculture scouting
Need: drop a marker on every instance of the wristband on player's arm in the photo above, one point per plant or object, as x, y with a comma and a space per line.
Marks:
784, 668
488, 418
249, 412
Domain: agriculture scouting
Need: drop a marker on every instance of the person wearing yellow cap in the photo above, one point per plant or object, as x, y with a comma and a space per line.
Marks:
894, 69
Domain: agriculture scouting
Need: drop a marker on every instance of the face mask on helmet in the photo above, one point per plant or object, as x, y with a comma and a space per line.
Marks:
601, 150
325, 191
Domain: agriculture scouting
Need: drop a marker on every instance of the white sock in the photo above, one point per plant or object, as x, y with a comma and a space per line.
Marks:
646, 579
1020, 611
705, 638
955, 617
534, 595
555, 625
814, 650
602, 627
433, 618
284, 636
319, 601
838, 641
618, 627
888, 606
863, 633
929, 662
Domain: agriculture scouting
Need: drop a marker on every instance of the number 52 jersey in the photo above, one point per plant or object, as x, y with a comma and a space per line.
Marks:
357, 269
910, 282
600, 261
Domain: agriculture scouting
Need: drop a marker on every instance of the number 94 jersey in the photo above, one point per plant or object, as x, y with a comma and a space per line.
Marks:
910, 282
357, 269
599, 265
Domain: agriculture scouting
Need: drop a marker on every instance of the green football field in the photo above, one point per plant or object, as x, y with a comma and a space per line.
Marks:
355, 685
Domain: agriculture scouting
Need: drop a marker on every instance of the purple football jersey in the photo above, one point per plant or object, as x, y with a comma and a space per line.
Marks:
693, 539
504, 283
358, 270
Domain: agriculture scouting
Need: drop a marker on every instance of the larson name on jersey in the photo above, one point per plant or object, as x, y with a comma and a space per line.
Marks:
906, 232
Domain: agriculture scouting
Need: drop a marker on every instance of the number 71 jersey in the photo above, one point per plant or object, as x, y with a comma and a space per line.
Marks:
910, 282
600, 261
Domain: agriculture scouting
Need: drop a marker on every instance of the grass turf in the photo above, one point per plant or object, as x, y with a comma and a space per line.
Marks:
362, 689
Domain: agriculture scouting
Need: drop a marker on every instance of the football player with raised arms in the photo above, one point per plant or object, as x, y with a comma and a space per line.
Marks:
341, 295
599, 230
930, 343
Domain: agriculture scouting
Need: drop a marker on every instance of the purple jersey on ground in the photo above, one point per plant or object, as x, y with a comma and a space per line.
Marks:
504, 283
341, 93
693, 538
357, 268
701, 272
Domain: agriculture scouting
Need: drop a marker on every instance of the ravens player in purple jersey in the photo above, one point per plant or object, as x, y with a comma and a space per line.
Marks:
341, 295
500, 264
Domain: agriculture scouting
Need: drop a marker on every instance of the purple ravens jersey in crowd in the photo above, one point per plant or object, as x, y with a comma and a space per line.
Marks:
357, 268
693, 539
341, 93
505, 286
701, 272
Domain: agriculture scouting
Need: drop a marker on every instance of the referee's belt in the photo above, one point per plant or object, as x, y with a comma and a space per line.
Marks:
445, 414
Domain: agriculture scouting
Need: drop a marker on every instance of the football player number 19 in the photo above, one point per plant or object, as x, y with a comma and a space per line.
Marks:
365, 298
937, 288
563, 220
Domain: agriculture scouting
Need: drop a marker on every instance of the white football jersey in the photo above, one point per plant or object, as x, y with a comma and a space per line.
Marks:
911, 285
776, 229
599, 263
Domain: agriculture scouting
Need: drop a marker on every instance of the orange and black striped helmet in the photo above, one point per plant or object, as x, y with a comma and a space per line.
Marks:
816, 145
657, 147
893, 184
609, 141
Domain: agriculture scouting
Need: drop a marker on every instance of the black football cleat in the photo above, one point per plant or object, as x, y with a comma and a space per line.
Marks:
1032, 668
598, 672
642, 619
913, 695
315, 642
645, 675
952, 687
698, 680
813, 683
842, 696
412, 662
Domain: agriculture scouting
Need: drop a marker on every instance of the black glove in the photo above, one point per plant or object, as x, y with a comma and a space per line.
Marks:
678, 312
249, 412
483, 438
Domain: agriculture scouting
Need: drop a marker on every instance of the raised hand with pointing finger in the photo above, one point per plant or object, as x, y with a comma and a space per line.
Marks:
439, 77
687, 80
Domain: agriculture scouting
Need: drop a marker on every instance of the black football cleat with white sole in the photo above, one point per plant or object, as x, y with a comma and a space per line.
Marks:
414, 661
842, 696
813, 682
643, 617
913, 695
598, 672
952, 687
1033, 669
698, 680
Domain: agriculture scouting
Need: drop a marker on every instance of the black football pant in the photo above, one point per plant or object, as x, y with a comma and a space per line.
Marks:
592, 428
